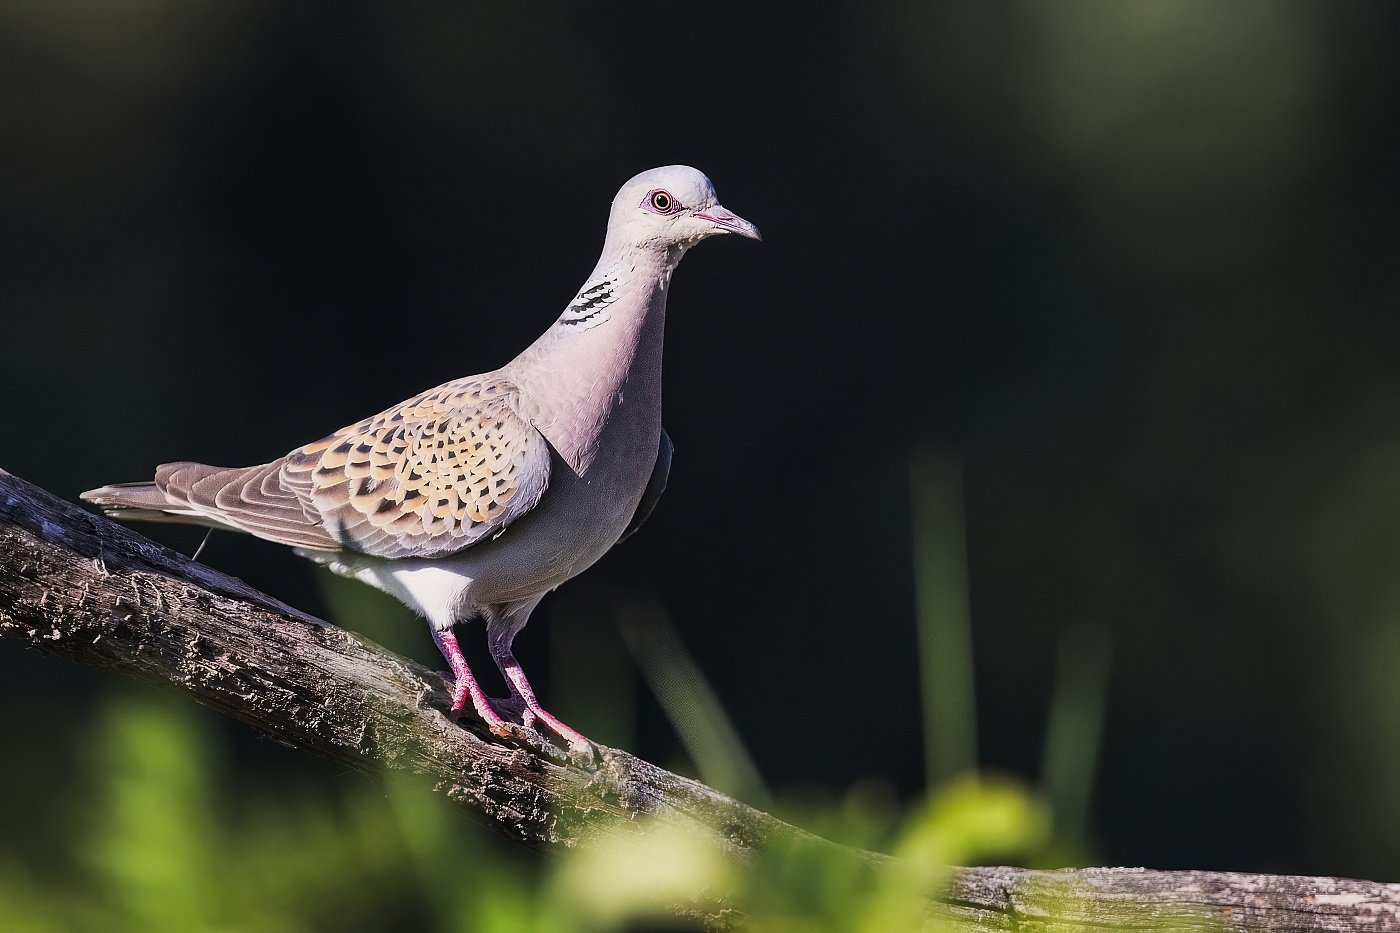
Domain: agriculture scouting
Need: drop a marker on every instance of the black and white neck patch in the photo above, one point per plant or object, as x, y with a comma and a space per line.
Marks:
590, 308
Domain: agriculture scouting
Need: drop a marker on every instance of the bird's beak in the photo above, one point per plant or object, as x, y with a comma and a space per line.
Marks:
728, 222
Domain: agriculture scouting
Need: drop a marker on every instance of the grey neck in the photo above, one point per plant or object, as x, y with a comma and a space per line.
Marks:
597, 369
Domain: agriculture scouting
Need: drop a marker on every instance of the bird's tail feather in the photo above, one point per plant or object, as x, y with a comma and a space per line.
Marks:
144, 502
252, 500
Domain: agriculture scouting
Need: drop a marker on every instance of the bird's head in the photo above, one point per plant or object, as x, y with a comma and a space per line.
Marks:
672, 207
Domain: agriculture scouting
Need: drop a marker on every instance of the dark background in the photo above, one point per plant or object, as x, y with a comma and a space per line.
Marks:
1134, 263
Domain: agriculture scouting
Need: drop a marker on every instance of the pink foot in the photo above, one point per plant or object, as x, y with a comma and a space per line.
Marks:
524, 695
522, 700
467, 687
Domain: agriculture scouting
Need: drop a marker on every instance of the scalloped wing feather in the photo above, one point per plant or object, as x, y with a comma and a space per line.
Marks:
428, 477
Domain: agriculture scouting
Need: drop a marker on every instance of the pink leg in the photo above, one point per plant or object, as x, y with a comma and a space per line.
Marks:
466, 685
520, 686
500, 632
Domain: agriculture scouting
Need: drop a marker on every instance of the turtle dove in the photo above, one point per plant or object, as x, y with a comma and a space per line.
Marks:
476, 498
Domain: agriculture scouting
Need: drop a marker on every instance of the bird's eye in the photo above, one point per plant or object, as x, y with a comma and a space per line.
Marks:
662, 202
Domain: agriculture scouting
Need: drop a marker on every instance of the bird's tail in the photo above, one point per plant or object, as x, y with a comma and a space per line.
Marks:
144, 502
252, 500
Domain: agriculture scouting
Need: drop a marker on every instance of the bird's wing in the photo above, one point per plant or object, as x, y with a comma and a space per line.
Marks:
426, 478
655, 487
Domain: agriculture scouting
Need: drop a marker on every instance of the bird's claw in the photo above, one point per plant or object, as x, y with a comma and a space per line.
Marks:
515, 707
532, 730
509, 730
542, 735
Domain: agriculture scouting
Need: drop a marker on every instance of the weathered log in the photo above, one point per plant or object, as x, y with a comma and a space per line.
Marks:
1140, 899
79, 586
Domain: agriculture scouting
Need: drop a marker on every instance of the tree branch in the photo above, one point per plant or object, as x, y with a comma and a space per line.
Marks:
82, 587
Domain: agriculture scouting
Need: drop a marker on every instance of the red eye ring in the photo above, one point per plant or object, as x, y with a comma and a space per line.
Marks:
662, 202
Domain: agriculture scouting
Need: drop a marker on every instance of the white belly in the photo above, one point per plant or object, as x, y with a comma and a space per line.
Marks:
575, 524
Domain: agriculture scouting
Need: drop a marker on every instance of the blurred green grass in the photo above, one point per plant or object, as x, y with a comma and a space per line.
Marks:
164, 844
